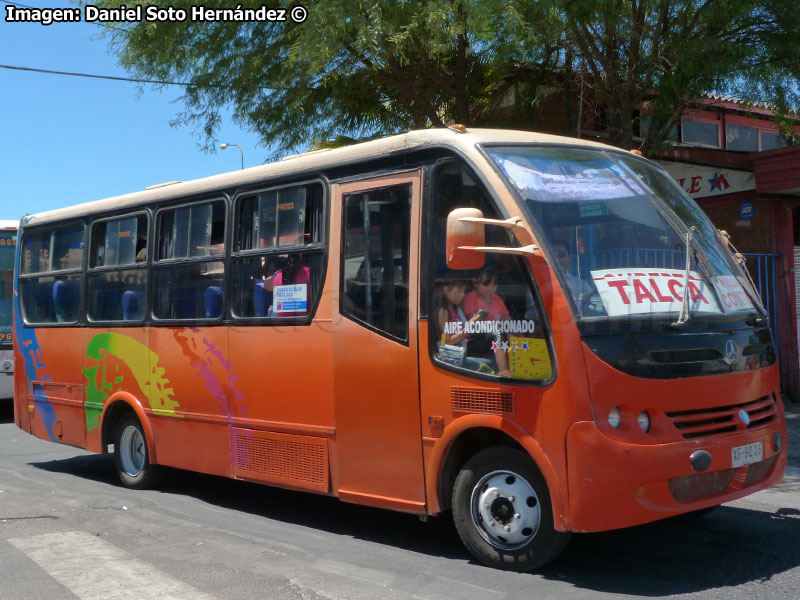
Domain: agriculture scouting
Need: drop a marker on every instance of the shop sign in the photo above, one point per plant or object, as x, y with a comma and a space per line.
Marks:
747, 211
702, 182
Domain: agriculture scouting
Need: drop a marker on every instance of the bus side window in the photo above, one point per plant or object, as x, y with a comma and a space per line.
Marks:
50, 275
117, 278
186, 287
278, 252
496, 329
375, 259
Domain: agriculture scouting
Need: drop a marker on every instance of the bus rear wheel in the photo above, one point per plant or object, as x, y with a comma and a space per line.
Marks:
131, 456
502, 511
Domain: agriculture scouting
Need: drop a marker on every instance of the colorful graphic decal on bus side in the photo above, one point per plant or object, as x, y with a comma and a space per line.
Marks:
34, 362
118, 362
203, 362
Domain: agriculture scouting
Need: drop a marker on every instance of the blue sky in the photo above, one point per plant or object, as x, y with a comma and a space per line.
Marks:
66, 140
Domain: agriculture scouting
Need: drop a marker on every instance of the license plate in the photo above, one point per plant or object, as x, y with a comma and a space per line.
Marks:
744, 455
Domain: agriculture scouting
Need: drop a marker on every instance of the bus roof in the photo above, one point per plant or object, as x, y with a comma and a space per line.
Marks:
5, 224
310, 161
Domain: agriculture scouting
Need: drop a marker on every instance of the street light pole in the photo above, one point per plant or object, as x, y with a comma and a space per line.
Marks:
224, 146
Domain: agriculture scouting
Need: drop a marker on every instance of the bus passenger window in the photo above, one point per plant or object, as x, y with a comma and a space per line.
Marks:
485, 321
116, 287
277, 252
185, 286
50, 275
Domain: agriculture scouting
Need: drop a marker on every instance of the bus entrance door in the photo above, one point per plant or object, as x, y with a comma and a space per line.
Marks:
376, 378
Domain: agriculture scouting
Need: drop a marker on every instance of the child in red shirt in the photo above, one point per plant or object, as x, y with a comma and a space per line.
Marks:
483, 297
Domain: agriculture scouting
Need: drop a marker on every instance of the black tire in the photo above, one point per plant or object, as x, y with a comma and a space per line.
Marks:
504, 487
131, 456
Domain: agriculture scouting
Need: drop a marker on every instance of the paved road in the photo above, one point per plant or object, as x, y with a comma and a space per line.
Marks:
68, 530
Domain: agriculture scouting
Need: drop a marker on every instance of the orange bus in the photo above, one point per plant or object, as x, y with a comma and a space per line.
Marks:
540, 335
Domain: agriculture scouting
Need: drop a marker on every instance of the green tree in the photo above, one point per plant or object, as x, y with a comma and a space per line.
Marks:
351, 68
359, 68
661, 56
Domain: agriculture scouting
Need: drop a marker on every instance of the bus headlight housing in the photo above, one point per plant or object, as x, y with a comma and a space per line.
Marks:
644, 421
614, 417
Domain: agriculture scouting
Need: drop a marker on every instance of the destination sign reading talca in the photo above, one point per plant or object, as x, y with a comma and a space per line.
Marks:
153, 14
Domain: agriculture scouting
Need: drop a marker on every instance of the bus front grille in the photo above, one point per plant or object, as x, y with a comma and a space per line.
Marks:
724, 419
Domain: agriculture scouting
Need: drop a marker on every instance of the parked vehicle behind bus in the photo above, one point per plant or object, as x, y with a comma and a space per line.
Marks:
8, 247
538, 334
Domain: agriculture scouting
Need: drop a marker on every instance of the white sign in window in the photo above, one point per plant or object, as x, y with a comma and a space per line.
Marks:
644, 291
290, 299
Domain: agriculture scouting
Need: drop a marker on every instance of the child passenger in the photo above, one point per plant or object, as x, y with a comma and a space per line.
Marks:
484, 298
452, 312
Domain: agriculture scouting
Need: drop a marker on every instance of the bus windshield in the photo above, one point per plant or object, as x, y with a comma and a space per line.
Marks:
617, 228
8, 242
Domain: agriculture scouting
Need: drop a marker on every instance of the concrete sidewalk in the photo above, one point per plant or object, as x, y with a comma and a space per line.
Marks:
793, 427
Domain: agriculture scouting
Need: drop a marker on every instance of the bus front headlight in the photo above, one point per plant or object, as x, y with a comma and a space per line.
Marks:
644, 421
614, 417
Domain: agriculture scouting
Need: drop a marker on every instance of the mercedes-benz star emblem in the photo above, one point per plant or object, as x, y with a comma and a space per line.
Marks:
731, 351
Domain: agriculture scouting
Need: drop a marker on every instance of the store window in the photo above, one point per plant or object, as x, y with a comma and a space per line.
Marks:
771, 140
705, 133
741, 138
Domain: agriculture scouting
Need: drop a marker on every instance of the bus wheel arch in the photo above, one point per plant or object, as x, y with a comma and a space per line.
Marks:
116, 409
474, 433
460, 450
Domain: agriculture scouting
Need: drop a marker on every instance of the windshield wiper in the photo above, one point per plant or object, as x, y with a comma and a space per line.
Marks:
683, 316
741, 261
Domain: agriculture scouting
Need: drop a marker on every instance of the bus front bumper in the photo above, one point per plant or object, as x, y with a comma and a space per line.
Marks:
614, 484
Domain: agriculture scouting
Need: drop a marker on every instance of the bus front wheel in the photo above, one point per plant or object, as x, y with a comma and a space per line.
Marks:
131, 456
502, 511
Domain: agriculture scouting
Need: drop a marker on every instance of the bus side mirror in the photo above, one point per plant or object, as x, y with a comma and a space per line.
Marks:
466, 239
462, 236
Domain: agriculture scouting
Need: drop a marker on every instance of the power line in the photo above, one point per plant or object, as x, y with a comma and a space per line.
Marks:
111, 77
18, 4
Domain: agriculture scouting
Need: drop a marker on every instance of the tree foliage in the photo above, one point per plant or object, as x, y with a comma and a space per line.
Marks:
663, 55
358, 68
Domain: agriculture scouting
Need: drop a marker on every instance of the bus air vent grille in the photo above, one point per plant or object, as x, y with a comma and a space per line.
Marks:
299, 461
724, 419
482, 400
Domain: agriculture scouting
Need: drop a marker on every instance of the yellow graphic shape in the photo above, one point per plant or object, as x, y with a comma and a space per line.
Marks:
528, 358
117, 362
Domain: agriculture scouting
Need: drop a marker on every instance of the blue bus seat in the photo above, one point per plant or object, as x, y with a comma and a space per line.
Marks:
133, 305
66, 299
262, 299
213, 302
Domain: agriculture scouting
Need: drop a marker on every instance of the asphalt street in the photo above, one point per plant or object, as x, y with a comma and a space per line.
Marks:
69, 530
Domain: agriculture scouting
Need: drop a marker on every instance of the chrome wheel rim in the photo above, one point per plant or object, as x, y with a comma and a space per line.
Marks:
505, 509
132, 451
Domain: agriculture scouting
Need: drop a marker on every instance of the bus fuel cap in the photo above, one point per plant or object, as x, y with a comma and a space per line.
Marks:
701, 460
